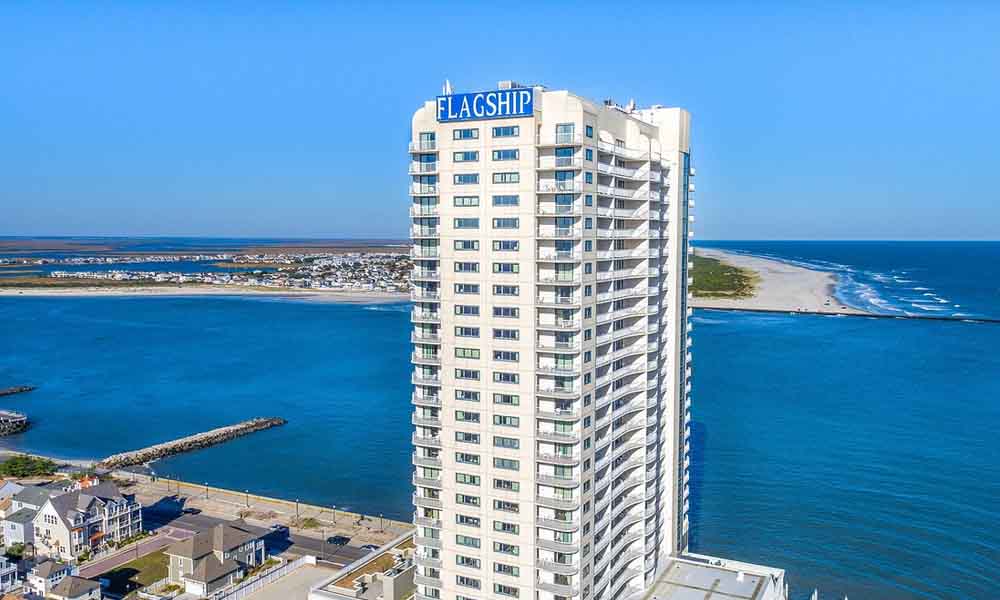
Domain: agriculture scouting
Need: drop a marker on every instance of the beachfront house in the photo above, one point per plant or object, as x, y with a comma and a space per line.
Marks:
214, 559
85, 520
76, 588
18, 528
7, 491
17, 524
45, 575
8, 575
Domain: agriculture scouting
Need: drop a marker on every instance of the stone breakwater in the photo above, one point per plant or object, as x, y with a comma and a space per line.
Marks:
191, 442
19, 389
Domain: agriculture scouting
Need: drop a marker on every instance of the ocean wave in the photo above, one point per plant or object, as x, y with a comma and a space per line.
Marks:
396, 308
929, 308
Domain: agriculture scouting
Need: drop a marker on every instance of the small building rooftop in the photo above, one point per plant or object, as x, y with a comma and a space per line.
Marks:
697, 577
386, 574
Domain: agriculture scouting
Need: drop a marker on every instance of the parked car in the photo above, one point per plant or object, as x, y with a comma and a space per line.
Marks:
191, 511
338, 540
370, 547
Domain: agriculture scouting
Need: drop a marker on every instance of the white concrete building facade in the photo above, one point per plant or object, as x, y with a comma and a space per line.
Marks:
550, 345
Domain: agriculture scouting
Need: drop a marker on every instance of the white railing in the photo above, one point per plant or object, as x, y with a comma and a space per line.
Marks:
261, 580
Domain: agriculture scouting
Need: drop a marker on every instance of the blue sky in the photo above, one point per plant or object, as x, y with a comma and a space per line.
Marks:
828, 121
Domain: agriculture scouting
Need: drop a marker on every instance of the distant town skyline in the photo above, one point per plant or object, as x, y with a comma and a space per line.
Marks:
239, 120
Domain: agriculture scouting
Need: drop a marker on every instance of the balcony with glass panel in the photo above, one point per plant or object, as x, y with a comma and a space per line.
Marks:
420, 167
557, 386
554, 341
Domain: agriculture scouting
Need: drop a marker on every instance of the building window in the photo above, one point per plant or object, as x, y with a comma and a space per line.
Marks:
506, 442
504, 527
565, 132
514, 177
588, 223
467, 395
505, 590
464, 540
467, 310
507, 506
506, 485
508, 570
505, 223
472, 374
467, 561
505, 355
506, 421
461, 201
466, 416
470, 353
506, 312
466, 438
588, 154
505, 548
505, 290
505, 200
506, 268
588, 200
507, 399
506, 155
506, 245
466, 288
465, 134
466, 267
505, 334
589, 131
501, 377
464, 581
588, 177
508, 464
463, 245
467, 156
466, 479
468, 501
466, 458
466, 178
467, 223
507, 131
470, 332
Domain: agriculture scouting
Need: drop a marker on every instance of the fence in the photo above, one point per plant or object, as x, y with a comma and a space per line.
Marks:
245, 588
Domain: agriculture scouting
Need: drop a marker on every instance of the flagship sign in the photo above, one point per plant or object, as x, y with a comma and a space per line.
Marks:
498, 104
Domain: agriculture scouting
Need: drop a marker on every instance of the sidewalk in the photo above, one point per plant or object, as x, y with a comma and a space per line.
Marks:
301, 519
162, 538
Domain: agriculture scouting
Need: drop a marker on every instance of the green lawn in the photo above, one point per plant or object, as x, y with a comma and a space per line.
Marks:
136, 574
716, 279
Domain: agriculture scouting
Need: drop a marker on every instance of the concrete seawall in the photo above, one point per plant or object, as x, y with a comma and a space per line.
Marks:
18, 389
191, 442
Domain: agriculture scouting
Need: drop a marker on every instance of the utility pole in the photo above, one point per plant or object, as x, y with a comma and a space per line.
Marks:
248, 498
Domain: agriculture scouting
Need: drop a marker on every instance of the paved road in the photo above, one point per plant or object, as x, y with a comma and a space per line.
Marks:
164, 537
278, 542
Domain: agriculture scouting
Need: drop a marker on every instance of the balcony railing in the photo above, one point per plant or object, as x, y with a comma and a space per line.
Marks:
558, 232
423, 146
425, 275
574, 139
546, 163
554, 187
423, 189
424, 211
423, 167
428, 232
550, 254
550, 209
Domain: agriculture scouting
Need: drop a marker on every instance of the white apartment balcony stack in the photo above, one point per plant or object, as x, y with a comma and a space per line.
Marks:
550, 345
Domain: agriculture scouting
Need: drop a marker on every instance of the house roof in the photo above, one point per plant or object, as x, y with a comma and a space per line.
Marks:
9, 488
74, 587
221, 538
22, 516
83, 500
33, 495
49, 568
210, 569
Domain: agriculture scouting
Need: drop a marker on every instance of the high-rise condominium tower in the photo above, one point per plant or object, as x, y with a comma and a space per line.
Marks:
550, 344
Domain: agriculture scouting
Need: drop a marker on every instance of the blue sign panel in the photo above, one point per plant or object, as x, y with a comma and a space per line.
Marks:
498, 104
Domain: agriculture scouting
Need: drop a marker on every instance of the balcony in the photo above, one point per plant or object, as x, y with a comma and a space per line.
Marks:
568, 370
551, 255
568, 392
424, 232
426, 482
552, 278
423, 421
558, 437
425, 338
557, 232
558, 325
425, 316
424, 211
559, 139
428, 543
550, 163
556, 346
562, 568
558, 301
418, 168
420, 358
427, 502
419, 295
425, 275
426, 461
549, 209
558, 187
566, 460
559, 589
423, 189
423, 146
432, 442
424, 252
426, 379
560, 482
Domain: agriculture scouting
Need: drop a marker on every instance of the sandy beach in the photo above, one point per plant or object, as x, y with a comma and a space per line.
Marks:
782, 287
359, 297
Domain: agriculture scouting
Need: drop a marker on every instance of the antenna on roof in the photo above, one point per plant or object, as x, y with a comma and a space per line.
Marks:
446, 88
631, 105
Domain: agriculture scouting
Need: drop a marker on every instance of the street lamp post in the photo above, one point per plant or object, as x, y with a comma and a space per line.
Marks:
248, 498
335, 513
381, 523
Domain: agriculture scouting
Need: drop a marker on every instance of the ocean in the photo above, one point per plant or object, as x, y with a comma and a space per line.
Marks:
859, 454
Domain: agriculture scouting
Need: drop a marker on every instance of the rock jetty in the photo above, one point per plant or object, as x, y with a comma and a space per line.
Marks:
19, 389
191, 442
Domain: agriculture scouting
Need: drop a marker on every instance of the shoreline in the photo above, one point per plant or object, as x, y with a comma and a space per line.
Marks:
346, 296
781, 287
